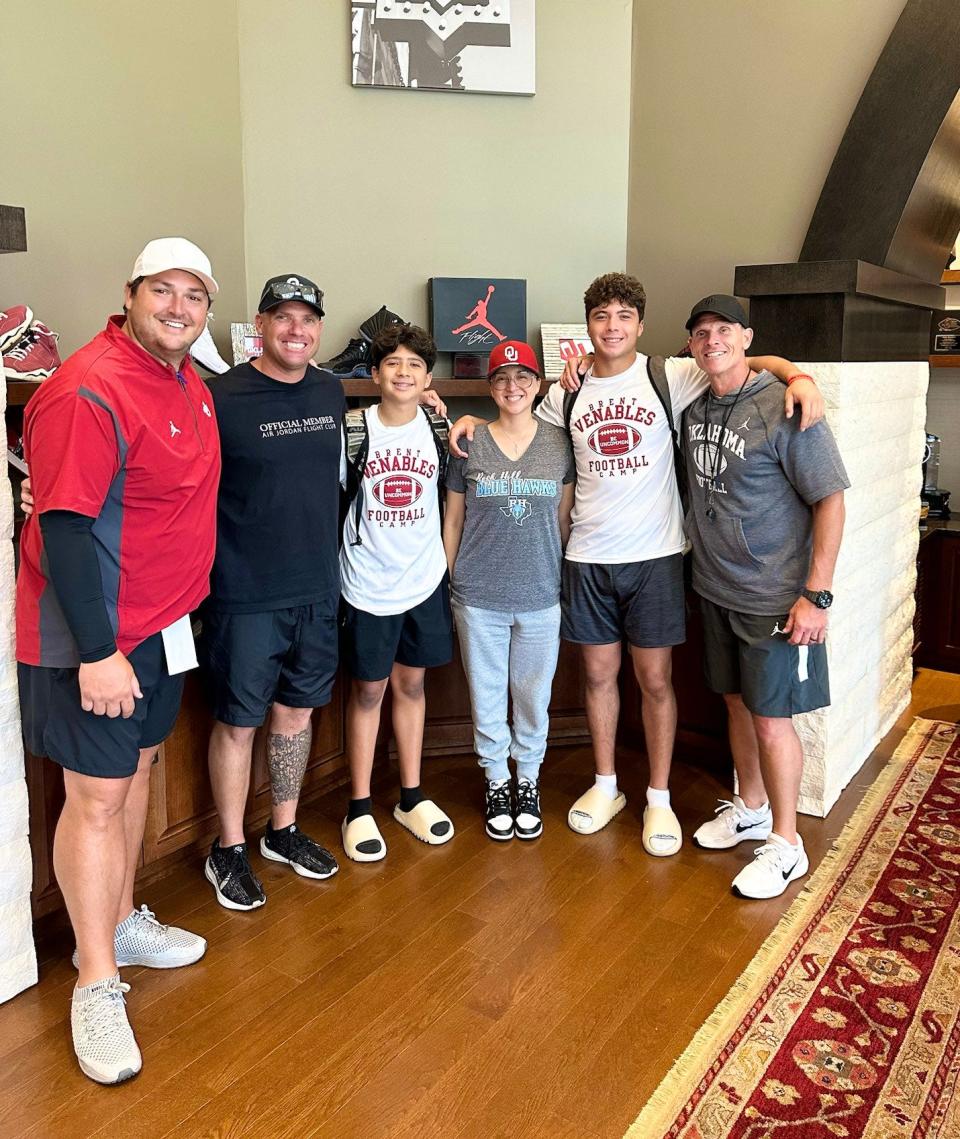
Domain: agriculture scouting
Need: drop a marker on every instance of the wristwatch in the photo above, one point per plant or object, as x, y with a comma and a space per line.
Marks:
822, 598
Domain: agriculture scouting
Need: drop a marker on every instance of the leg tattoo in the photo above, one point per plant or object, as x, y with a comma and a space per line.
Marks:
287, 760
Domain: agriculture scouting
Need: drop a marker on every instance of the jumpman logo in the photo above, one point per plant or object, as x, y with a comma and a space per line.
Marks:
745, 425
174, 429
477, 317
777, 631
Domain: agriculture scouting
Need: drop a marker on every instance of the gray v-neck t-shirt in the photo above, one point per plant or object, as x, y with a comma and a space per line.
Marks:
510, 554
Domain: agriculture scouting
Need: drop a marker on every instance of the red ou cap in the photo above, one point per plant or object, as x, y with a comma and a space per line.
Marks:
513, 352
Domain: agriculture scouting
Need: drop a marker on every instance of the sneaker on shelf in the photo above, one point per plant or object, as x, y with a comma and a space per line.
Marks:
380, 319
102, 1037
34, 356
499, 810
354, 360
141, 940
775, 866
529, 821
228, 871
307, 857
13, 324
733, 822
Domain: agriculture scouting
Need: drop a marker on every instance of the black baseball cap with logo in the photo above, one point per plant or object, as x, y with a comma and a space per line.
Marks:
291, 287
722, 305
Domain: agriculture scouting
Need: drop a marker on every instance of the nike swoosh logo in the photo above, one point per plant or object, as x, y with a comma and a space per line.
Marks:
787, 873
746, 826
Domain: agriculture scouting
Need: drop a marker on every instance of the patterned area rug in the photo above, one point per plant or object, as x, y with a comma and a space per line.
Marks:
847, 1021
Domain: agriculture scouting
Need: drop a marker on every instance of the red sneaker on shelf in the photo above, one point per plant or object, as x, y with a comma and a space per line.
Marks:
34, 356
13, 324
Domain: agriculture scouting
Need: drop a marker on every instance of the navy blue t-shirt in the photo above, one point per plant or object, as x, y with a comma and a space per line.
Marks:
278, 507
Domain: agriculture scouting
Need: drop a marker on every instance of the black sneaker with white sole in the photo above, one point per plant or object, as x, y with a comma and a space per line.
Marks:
307, 857
528, 821
499, 810
228, 871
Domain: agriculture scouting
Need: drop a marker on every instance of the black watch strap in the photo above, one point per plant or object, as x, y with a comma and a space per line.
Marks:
822, 598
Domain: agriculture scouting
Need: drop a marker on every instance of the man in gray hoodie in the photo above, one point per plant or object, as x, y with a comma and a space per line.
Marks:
765, 518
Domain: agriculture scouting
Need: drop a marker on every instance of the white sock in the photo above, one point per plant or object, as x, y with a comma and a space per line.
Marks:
657, 798
763, 809
608, 785
780, 841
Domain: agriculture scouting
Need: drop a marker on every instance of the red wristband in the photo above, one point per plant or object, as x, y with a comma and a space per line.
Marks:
800, 376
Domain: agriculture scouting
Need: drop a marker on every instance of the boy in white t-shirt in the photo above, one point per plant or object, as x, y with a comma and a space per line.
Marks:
395, 617
623, 565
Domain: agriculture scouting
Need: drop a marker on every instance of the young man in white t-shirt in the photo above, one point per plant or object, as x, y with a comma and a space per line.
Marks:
395, 616
622, 573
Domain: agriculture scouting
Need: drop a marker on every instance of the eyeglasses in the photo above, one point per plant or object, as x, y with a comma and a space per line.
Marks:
523, 380
294, 291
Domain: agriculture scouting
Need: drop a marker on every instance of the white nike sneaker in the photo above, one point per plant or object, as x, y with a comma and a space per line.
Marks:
102, 1037
775, 866
734, 822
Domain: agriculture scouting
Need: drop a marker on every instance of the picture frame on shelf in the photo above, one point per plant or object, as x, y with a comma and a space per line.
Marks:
246, 341
560, 343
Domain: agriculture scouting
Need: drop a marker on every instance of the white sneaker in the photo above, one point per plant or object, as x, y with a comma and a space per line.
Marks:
734, 822
102, 1037
775, 866
141, 940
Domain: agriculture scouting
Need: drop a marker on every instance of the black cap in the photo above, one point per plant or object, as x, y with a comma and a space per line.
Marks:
722, 305
291, 287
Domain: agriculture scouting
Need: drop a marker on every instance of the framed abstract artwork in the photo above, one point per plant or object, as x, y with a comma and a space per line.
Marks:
484, 46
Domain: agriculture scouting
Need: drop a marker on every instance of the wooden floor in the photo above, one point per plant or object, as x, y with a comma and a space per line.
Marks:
535, 989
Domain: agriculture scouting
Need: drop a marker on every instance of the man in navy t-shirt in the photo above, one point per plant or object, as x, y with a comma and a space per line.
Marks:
269, 641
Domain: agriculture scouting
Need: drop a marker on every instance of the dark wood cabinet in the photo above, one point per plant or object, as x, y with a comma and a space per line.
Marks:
937, 620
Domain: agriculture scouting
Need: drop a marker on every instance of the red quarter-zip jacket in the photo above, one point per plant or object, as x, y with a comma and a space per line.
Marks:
126, 440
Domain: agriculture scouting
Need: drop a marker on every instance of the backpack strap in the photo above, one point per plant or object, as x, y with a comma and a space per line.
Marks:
569, 399
441, 437
657, 374
356, 441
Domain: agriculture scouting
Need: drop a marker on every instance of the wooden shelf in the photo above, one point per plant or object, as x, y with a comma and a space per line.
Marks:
20, 391
945, 361
950, 277
444, 387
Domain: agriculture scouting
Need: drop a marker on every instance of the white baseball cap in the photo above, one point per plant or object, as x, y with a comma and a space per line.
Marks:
165, 253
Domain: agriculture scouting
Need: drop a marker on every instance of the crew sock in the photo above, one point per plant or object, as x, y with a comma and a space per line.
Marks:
608, 785
409, 797
657, 798
358, 808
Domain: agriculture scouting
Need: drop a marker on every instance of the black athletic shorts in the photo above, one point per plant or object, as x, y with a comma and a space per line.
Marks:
54, 724
752, 656
642, 601
251, 659
421, 637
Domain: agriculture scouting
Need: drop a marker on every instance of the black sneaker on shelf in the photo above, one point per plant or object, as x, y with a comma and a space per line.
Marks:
354, 360
380, 319
289, 844
528, 822
499, 810
228, 871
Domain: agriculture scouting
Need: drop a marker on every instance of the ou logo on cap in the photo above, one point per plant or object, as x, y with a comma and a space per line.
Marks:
511, 353
293, 281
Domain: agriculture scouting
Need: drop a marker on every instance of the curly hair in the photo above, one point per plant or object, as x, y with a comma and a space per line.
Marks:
411, 336
615, 287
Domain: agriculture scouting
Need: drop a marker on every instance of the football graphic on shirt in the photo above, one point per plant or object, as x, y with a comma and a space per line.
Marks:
614, 439
708, 461
397, 491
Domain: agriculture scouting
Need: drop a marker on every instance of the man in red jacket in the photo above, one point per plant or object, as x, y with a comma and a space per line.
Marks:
124, 462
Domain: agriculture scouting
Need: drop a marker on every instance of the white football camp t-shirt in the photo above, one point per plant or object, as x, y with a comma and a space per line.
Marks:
400, 560
627, 506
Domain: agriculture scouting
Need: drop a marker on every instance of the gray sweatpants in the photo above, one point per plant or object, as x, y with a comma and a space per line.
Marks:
509, 655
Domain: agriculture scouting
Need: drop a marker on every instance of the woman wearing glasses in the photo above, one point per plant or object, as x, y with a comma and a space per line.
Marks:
507, 519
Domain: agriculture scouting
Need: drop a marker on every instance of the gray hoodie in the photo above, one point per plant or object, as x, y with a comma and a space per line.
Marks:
752, 536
